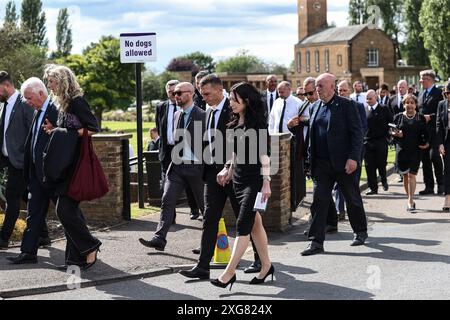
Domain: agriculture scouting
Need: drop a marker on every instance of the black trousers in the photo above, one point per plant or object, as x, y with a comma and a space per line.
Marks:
38, 202
376, 159
332, 217
447, 166
80, 241
325, 177
431, 158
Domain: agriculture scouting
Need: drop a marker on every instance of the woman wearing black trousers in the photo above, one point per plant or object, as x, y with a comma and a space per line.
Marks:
74, 114
442, 127
248, 177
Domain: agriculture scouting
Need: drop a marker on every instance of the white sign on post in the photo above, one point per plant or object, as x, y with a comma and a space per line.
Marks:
137, 47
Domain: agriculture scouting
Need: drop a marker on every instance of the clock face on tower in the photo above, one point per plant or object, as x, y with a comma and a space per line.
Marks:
317, 6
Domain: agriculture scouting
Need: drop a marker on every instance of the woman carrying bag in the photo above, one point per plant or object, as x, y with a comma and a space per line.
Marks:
74, 114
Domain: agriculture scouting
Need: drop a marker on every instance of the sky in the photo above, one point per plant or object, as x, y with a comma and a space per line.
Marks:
220, 28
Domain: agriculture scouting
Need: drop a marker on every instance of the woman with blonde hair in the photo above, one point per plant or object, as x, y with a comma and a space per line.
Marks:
74, 114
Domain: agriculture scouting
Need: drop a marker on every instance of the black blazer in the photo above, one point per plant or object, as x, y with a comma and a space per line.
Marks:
51, 113
344, 134
393, 105
429, 106
161, 125
264, 99
442, 122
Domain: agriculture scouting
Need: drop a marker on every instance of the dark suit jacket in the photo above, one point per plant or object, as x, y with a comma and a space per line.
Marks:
442, 122
161, 125
264, 99
51, 113
154, 145
429, 106
17, 131
344, 134
393, 105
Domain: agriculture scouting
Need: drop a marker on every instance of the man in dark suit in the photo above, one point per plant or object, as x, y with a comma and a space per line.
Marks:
164, 123
153, 145
335, 153
198, 98
396, 102
270, 94
429, 99
40, 194
15, 122
186, 168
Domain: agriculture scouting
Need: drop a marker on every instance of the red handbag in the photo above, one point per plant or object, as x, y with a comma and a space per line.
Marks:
88, 181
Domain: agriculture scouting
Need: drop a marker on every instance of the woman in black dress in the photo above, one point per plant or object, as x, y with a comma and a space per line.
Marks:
250, 174
443, 127
74, 114
412, 137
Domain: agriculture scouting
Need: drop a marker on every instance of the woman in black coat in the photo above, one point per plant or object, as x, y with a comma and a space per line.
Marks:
74, 114
443, 127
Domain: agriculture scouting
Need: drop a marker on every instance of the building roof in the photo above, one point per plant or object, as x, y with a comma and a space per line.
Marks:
336, 34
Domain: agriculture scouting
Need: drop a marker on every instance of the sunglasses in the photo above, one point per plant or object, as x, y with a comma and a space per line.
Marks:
310, 93
179, 93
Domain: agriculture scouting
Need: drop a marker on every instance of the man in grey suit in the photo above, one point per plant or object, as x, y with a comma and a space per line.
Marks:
186, 168
15, 122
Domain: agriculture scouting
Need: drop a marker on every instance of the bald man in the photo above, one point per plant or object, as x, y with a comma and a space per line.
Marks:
186, 167
284, 109
336, 139
396, 102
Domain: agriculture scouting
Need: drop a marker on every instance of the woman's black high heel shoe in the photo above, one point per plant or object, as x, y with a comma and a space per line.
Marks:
220, 284
90, 264
256, 280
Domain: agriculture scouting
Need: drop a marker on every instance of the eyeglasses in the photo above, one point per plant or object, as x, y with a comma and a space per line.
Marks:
179, 93
310, 93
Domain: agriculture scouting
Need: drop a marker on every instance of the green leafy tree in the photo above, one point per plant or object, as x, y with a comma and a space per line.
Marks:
413, 48
24, 62
203, 61
357, 12
242, 63
435, 20
33, 21
63, 34
392, 19
11, 16
151, 89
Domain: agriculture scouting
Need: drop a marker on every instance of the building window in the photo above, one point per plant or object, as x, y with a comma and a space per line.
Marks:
299, 83
299, 62
308, 62
372, 57
317, 58
327, 60
339, 60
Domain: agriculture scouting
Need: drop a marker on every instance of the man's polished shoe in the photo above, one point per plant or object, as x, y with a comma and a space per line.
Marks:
196, 250
371, 193
385, 186
313, 248
43, 242
331, 229
195, 215
359, 239
425, 192
195, 272
4, 244
255, 267
155, 243
341, 216
23, 258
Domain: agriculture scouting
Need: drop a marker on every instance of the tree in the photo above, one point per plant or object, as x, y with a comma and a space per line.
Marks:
151, 89
413, 48
182, 64
435, 20
392, 19
33, 21
357, 12
11, 16
63, 34
203, 61
24, 62
242, 63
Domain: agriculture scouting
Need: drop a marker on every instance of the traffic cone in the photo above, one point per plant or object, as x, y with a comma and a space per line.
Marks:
222, 253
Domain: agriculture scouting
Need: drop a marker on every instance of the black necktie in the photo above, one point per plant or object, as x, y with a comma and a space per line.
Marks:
2, 125
35, 131
212, 127
271, 101
280, 126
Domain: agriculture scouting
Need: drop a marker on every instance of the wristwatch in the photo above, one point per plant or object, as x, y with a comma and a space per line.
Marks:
267, 178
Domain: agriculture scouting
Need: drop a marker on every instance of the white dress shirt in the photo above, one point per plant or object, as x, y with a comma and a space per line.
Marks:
360, 97
170, 113
9, 108
219, 108
293, 105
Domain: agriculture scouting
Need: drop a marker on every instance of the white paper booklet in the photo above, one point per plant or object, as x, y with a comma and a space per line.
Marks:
259, 206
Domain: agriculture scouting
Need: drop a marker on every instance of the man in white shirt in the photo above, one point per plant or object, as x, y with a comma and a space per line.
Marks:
284, 109
358, 94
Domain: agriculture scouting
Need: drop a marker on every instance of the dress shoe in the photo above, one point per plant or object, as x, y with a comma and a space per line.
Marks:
359, 239
195, 272
220, 284
88, 265
313, 248
255, 267
371, 193
385, 185
256, 280
426, 191
155, 243
43, 242
4, 244
341, 216
195, 215
331, 229
441, 190
196, 250
23, 258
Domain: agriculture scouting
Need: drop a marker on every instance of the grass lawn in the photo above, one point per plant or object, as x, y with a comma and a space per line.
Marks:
130, 127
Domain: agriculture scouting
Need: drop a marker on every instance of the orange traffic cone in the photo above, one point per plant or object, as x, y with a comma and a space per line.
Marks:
222, 253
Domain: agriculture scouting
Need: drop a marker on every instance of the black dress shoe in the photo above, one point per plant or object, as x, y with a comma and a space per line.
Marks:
425, 192
255, 267
155, 243
196, 250
43, 242
23, 258
221, 284
341, 216
313, 248
385, 186
4, 244
359, 239
256, 280
195, 215
371, 192
441, 190
331, 229
195, 272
